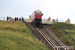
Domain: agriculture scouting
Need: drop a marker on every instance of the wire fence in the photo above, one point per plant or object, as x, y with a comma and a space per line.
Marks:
2, 18
9, 19
5, 19
71, 22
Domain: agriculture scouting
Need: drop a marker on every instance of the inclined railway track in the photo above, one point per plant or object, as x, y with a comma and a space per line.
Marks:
51, 38
46, 38
46, 28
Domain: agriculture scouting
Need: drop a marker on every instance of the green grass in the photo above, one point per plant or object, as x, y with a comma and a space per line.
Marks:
71, 32
16, 36
70, 28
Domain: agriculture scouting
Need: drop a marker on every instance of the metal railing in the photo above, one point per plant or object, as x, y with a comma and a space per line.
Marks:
2, 18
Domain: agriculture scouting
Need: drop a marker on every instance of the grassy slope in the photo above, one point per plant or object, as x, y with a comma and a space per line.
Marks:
16, 36
59, 33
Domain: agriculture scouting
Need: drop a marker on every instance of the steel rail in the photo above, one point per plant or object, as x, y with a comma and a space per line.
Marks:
52, 39
47, 39
56, 38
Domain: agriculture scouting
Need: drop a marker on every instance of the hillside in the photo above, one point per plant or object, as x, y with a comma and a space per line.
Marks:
65, 32
16, 36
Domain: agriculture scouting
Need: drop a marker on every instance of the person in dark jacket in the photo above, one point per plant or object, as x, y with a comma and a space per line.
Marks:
7, 18
22, 18
15, 18
19, 19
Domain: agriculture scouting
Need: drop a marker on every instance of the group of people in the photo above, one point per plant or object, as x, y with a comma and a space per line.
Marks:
54, 20
17, 19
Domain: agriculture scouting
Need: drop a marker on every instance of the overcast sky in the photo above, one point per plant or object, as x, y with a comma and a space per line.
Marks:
61, 9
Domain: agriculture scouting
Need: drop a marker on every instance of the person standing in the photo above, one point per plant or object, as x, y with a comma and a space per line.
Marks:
19, 19
56, 20
15, 18
22, 18
7, 18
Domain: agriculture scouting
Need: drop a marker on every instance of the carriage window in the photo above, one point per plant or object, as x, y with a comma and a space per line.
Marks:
37, 12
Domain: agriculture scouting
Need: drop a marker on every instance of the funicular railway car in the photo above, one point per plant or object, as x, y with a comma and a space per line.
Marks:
36, 17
